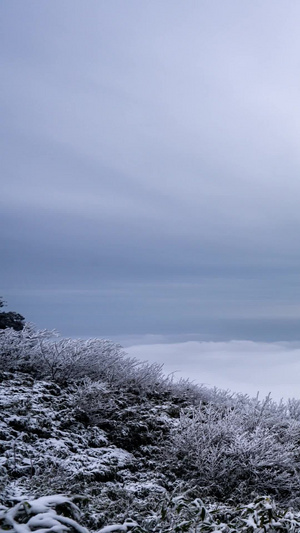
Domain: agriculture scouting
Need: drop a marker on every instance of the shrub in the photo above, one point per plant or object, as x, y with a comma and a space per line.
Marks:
230, 456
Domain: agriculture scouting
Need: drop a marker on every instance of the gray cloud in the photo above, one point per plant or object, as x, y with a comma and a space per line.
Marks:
151, 162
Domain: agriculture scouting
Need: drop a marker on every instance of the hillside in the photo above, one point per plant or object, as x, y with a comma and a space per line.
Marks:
129, 445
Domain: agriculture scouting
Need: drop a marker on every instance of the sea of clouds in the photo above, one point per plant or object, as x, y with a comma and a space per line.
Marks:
238, 365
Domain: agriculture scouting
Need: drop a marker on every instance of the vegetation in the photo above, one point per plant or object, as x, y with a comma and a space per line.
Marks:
10, 319
134, 449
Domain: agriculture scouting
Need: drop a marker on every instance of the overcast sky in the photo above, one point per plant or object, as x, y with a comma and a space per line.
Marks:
151, 167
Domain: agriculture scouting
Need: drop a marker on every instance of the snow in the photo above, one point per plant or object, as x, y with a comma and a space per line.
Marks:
126, 526
44, 520
44, 503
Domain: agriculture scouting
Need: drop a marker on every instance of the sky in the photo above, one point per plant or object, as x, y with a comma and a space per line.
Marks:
151, 169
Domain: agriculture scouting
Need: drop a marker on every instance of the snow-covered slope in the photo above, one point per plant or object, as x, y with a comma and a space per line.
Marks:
49, 445
128, 445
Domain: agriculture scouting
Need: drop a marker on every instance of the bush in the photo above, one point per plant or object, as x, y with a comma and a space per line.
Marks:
10, 319
64, 360
229, 454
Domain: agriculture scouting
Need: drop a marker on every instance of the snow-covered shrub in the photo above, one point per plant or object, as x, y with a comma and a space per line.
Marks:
130, 420
293, 408
19, 349
47, 356
185, 514
49, 513
228, 456
64, 360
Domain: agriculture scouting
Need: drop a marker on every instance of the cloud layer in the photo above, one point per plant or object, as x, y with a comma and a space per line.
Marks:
240, 366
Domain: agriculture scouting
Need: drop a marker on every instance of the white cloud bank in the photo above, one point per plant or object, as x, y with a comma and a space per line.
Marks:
241, 366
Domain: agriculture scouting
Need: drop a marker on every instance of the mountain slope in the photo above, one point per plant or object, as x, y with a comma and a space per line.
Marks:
82, 419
